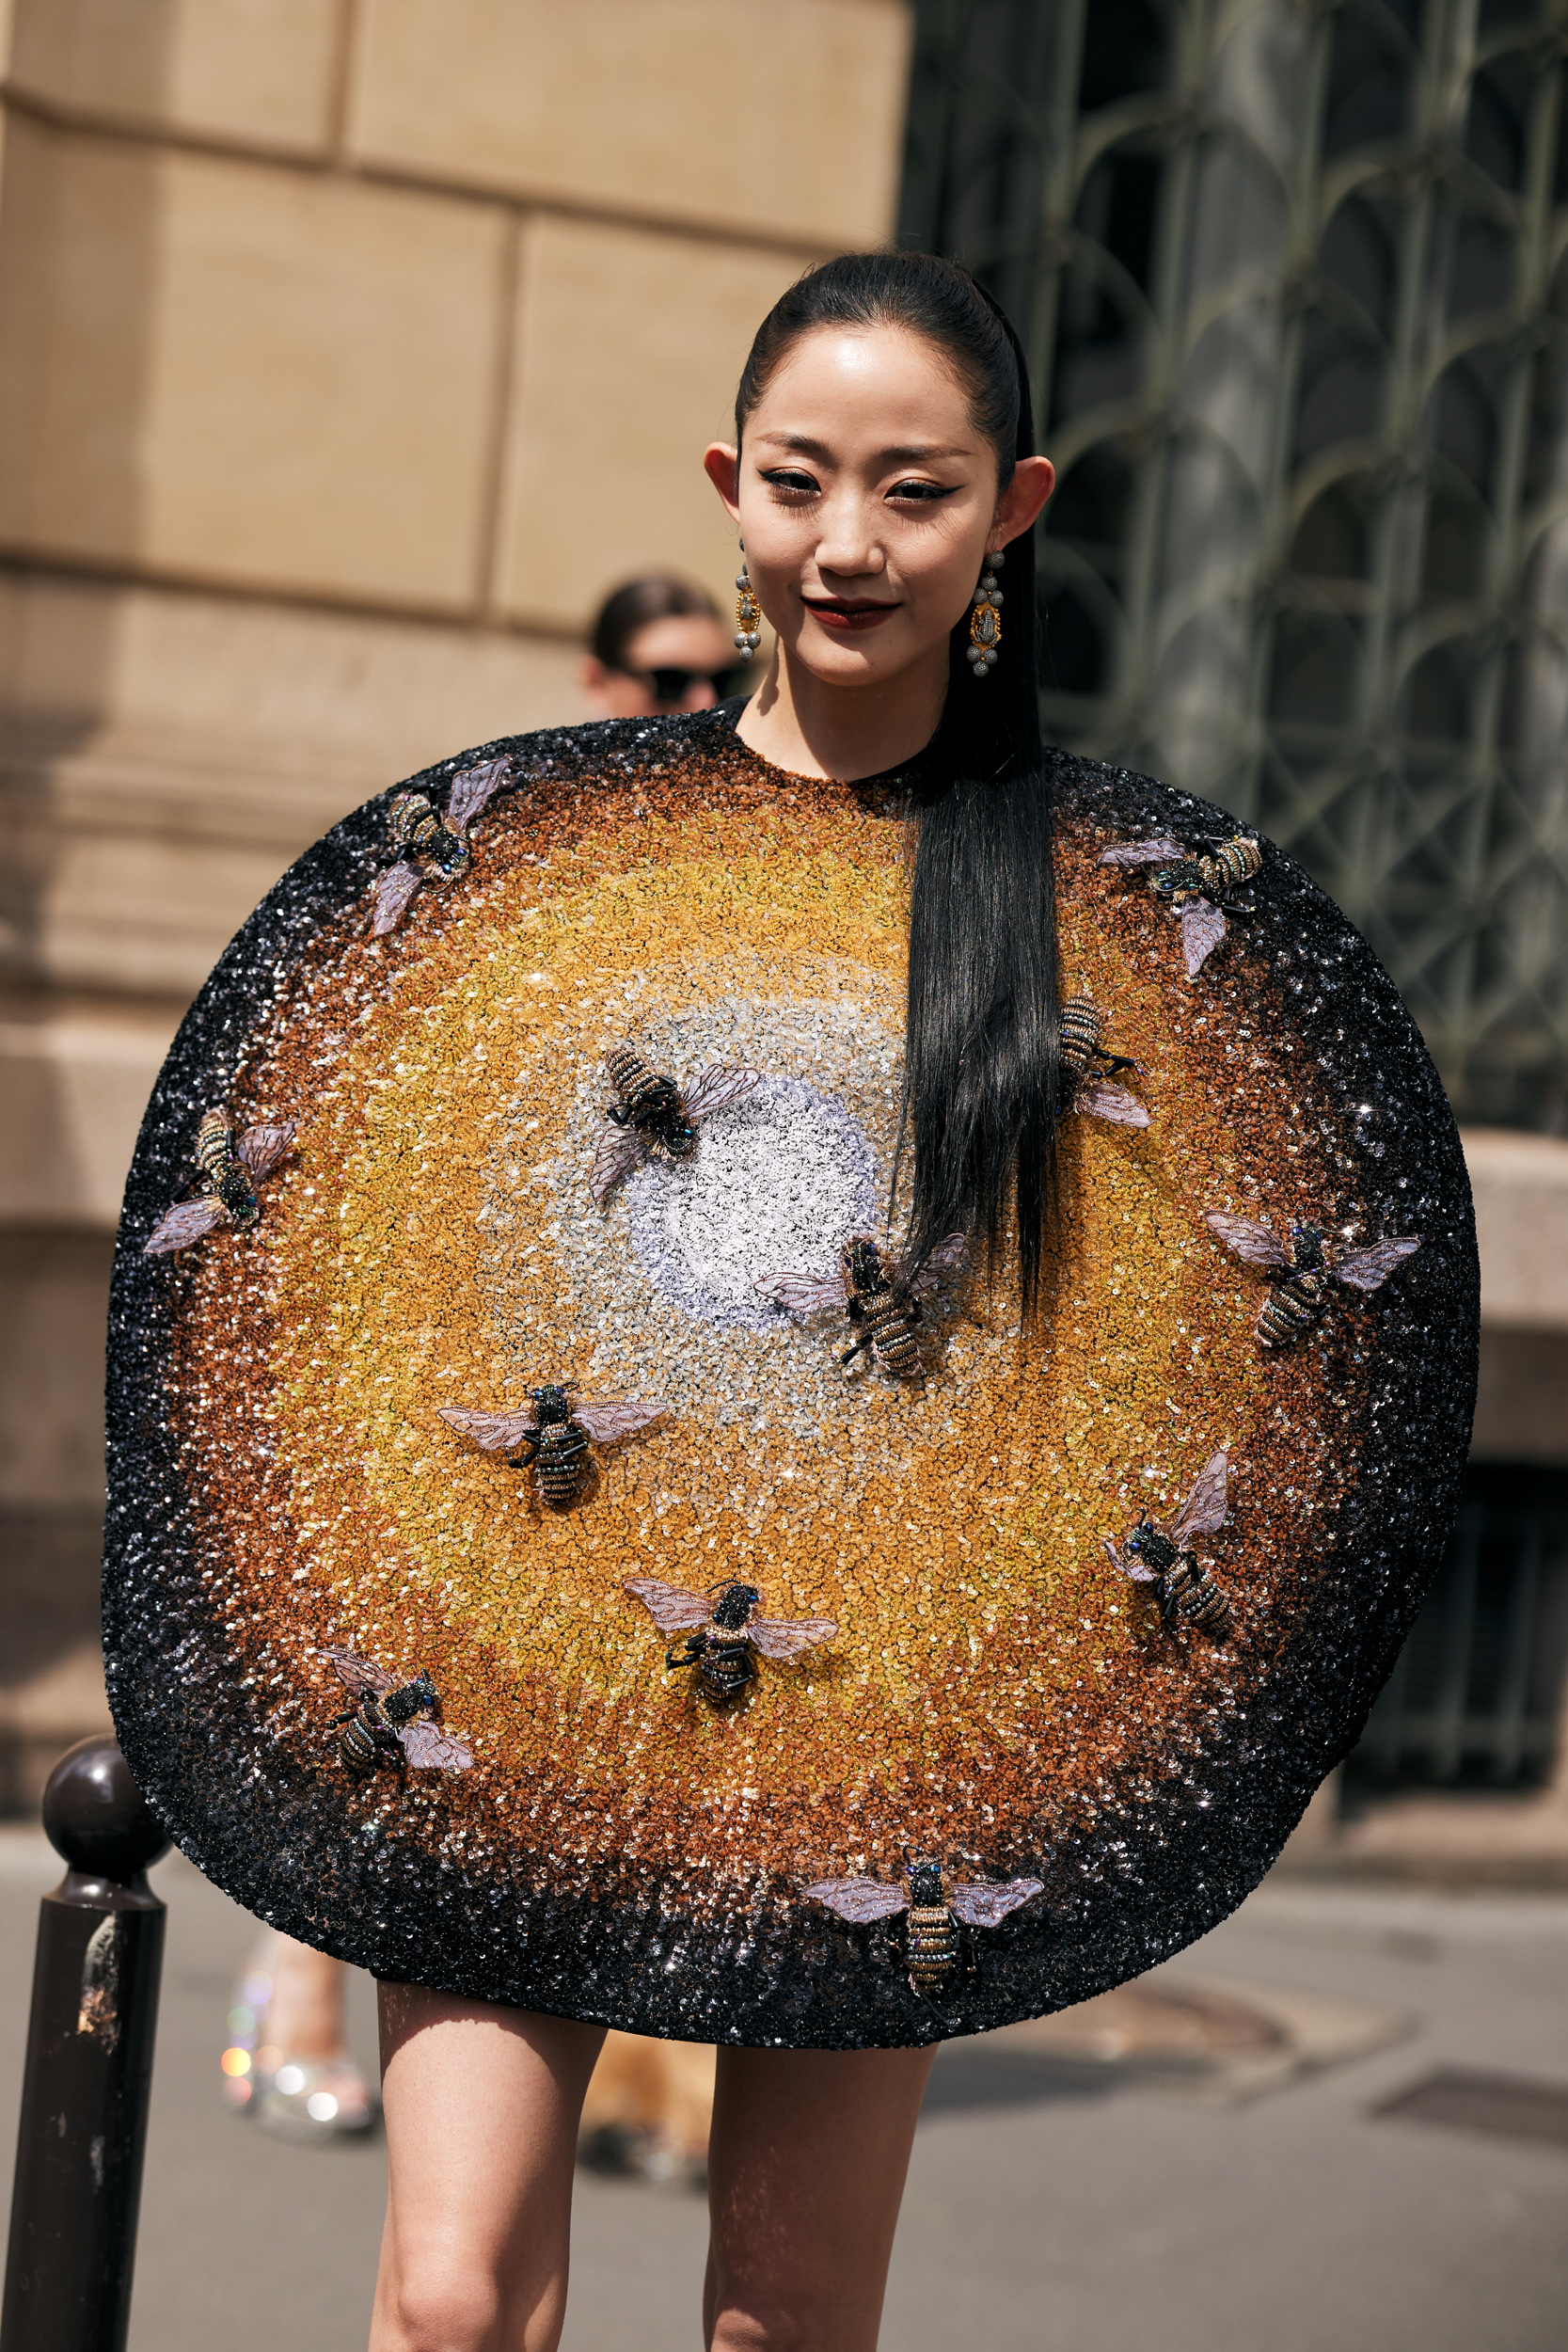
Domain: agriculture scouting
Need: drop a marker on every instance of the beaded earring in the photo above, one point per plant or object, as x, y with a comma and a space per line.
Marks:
748, 612
985, 621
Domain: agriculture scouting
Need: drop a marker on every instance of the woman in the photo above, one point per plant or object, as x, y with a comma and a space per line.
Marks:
598, 1119
658, 644
876, 478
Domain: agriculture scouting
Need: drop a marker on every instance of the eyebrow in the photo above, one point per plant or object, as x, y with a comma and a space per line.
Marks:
915, 453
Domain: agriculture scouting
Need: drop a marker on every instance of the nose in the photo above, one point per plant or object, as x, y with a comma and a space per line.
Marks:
848, 545
701, 694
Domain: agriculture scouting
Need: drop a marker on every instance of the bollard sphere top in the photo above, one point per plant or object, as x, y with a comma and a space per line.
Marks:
97, 1817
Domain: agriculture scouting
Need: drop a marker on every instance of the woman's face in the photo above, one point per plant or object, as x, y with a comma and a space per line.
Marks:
688, 650
867, 502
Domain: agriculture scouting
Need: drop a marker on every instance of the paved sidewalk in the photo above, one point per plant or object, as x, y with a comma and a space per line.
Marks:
1046, 2209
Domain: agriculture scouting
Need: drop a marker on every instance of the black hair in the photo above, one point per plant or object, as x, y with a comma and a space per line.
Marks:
659, 597
982, 1067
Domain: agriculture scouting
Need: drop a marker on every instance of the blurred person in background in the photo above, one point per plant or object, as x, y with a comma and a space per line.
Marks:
287, 2060
658, 644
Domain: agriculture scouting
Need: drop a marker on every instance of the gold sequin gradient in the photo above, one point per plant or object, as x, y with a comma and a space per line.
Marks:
996, 1685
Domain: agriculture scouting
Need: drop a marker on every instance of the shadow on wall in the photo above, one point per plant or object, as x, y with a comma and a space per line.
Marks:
79, 237
53, 1297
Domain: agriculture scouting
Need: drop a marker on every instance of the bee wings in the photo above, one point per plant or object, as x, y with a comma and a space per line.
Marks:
492, 1432
473, 790
1204, 1509
715, 1091
937, 1261
785, 1637
394, 890
804, 1294
620, 1150
604, 1423
1156, 851
672, 1609
430, 1749
1248, 1239
986, 1903
1103, 1101
357, 1674
1365, 1269
184, 1223
1202, 929
860, 1901
261, 1148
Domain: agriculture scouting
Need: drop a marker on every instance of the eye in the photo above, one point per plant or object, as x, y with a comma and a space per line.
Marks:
790, 478
922, 493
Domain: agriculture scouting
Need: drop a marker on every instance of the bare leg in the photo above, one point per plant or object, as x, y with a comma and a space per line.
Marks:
806, 2168
482, 2106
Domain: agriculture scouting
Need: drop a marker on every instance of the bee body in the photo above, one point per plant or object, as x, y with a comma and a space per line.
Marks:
1080, 1034
724, 1667
1163, 1560
1232, 864
1212, 876
364, 1740
721, 1650
932, 1944
419, 834
556, 1450
561, 1465
883, 1311
1292, 1309
1087, 1065
1184, 1591
370, 1733
888, 1321
1188, 1594
650, 1103
226, 1173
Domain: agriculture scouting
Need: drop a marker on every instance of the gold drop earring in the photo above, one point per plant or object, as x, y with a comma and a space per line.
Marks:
985, 620
748, 612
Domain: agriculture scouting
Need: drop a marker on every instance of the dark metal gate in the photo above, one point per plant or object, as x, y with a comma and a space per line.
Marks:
1293, 279
1475, 1697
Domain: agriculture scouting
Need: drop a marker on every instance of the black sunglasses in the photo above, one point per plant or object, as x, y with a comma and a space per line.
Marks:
672, 685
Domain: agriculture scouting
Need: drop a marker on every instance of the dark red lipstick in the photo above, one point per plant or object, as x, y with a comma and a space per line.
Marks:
848, 614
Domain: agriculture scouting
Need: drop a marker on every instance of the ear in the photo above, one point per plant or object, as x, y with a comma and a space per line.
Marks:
1024, 499
722, 465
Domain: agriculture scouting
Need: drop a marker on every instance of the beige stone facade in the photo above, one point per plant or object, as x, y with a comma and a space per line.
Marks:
350, 350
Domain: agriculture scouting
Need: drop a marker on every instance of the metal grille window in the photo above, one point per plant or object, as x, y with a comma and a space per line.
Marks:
1293, 281
1477, 1695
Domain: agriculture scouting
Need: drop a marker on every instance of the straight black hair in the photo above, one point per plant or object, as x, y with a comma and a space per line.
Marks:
982, 1079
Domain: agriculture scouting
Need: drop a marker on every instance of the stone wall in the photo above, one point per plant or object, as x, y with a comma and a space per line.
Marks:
350, 350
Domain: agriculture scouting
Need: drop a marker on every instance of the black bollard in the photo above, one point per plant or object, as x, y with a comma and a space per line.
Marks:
90, 2065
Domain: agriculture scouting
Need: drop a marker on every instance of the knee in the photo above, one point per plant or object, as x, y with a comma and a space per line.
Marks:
760, 2323
442, 2307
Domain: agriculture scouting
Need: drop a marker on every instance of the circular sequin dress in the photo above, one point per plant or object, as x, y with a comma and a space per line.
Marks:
1066, 1654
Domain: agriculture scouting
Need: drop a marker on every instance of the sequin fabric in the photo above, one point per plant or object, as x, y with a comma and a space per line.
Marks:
999, 1696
